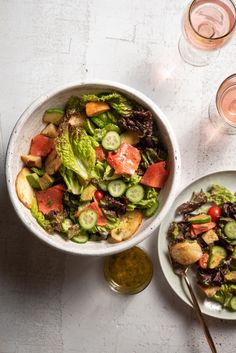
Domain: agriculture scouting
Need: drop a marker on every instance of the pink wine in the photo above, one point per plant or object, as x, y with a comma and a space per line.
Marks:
227, 104
209, 23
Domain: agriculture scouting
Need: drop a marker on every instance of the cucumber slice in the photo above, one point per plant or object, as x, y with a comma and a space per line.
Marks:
116, 188
89, 127
81, 238
111, 141
217, 255
234, 253
88, 219
66, 224
232, 303
33, 180
112, 127
200, 219
232, 264
103, 185
53, 115
230, 230
135, 193
149, 212
99, 121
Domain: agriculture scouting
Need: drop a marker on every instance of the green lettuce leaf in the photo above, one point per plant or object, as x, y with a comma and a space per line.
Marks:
71, 180
219, 194
74, 105
39, 216
77, 151
147, 202
117, 101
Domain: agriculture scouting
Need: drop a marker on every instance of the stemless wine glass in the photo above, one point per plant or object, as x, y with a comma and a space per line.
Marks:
207, 25
222, 110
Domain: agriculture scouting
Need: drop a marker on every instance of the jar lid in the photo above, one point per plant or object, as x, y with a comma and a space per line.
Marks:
128, 272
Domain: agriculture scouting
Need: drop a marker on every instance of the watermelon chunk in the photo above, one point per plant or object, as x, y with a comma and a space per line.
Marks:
50, 199
41, 145
126, 160
155, 175
100, 153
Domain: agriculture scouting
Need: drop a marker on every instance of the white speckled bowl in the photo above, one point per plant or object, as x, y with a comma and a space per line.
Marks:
30, 123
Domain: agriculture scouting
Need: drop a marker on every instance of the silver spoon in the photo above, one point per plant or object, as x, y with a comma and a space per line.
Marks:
181, 271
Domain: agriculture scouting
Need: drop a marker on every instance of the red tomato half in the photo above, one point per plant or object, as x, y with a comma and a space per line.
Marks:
203, 260
215, 212
99, 195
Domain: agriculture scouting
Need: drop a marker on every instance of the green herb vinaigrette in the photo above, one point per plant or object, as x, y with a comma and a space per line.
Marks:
129, 271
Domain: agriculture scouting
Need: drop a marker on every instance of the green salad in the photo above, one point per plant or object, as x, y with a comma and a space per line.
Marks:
95, 170
205, 237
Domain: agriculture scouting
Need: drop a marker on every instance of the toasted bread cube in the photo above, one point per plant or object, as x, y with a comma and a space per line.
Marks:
77, 120
129, 224
210, 237
186, 252
96, 108
231, 276
52, 163
32, 161
209, 291
50, 131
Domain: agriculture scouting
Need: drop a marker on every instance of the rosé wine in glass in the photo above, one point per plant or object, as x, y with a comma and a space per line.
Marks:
207, 26
223, 108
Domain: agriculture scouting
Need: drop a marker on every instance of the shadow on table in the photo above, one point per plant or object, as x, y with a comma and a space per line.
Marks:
25, 262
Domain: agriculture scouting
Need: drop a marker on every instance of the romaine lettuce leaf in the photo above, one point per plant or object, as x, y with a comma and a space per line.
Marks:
76, 150
39, 216
71, 180
117, 101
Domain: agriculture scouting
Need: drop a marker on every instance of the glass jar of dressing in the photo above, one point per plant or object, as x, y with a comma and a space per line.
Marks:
128, 272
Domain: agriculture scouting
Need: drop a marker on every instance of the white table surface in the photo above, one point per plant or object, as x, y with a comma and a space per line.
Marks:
51, 302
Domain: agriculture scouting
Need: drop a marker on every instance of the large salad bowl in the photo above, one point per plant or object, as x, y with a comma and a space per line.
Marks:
30, 123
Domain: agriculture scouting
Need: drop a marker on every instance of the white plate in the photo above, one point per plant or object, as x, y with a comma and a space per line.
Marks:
208, 307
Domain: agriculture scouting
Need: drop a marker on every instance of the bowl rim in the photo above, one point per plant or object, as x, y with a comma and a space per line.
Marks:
176, 165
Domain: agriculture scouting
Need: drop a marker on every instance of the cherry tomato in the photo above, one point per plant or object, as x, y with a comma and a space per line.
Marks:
203, 260
99, 195
215, 212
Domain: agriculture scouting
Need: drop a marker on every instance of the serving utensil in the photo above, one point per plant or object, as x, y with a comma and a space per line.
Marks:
182, 271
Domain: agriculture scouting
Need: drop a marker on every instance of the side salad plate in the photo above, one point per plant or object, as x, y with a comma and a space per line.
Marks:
200, 232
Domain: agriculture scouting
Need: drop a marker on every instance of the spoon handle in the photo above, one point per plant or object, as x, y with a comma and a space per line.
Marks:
199, 315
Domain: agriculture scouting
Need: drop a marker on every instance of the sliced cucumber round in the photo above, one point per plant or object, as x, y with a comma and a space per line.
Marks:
116, 188
66, 224
217, 255
89, 127
232, 303
111, 141
81, 238
88, 219
200, 219
149, 212
103, 185
230, 230
135, 193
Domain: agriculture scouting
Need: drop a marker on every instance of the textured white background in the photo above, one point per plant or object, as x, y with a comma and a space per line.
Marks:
54, 303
